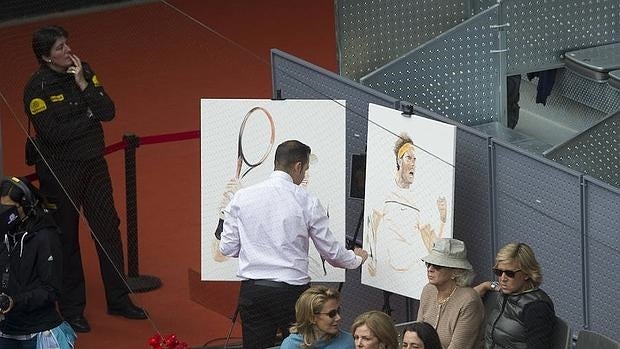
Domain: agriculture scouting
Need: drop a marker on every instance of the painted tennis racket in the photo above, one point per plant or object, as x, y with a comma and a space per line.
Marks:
241, 156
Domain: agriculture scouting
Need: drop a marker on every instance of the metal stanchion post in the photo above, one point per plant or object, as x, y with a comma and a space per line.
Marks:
136, 282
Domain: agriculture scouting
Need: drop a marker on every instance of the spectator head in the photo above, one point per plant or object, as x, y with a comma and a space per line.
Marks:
374, 330
44, 39
517, 268
420, 335
317, 314
293, 157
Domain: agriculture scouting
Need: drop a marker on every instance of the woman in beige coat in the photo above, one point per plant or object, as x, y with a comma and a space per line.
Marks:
448, 303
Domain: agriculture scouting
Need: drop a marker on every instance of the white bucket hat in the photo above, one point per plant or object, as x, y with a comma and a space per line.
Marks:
450, 253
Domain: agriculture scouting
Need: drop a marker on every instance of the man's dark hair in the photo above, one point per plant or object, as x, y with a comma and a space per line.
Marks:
44, 38
290, 152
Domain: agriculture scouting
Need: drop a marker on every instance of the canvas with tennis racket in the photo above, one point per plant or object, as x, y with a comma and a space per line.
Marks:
238, 143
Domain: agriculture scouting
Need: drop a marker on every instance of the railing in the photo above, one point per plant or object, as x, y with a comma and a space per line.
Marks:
137, 282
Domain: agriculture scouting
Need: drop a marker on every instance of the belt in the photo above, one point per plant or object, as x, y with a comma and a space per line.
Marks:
271, 283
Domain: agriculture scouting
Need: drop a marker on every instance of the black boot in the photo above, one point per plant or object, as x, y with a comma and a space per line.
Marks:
127, 309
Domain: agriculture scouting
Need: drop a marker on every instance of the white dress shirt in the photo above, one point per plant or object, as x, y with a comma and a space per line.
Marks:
268, 226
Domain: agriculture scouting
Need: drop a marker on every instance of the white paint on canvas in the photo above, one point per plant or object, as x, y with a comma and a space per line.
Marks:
409, 198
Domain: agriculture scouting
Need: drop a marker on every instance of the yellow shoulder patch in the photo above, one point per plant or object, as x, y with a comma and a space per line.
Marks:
96, 81
37, 105
57, 98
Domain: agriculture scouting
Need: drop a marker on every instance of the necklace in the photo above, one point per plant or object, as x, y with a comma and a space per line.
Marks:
440, 303
443, 301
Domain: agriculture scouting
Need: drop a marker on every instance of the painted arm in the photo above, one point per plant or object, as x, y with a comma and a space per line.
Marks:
373, 227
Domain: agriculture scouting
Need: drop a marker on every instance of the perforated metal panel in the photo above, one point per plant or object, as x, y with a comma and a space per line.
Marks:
541, 205
371, 33
481, 5
472, 200
552, 191
594, 152
454, 75
598, 95
603, 220
540, 31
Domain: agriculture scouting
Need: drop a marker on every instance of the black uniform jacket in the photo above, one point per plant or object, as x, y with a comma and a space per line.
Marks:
67, 120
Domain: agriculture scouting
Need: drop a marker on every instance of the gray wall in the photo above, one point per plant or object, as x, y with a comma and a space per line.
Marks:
502, 194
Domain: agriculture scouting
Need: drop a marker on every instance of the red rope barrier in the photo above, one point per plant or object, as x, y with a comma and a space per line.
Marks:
163, 138
114, 147
170, 137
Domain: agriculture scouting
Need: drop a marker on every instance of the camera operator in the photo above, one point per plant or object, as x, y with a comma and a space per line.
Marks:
31, 271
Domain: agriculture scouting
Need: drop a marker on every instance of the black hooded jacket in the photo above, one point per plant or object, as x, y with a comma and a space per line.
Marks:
33, 258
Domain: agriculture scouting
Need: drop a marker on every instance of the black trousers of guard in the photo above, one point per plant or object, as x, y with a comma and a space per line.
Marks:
89, 185
265, 309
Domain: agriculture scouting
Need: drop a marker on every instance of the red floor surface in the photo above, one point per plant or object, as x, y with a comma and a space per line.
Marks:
156, 64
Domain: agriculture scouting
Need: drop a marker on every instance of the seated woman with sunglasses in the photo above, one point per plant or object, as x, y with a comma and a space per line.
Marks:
523, 317
448, 303
317, 313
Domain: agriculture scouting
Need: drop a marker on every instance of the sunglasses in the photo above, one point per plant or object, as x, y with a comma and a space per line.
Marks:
332, 313
435, 266
510, 273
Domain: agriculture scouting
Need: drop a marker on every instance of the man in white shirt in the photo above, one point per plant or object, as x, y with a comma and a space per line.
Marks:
268, 227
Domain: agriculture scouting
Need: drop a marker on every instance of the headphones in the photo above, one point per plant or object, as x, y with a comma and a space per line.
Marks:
28, 200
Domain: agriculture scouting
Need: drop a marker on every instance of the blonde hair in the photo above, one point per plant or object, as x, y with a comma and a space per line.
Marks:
381, 325
308, 305
523, 255
401, 141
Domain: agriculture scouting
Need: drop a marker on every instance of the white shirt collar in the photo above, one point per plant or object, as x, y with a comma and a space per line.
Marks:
281, 175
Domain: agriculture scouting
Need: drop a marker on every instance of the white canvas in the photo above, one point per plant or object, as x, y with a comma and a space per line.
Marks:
319, 124
402, 205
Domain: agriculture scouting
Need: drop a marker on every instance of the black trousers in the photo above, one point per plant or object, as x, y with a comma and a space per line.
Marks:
266, 307
89, 186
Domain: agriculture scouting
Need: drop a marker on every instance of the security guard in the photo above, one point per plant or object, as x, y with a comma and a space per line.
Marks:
66, 104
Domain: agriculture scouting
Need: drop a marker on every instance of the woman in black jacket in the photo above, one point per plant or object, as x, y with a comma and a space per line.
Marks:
522, 315
31, 271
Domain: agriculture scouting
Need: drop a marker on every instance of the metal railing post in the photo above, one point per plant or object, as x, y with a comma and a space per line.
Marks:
136, 282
